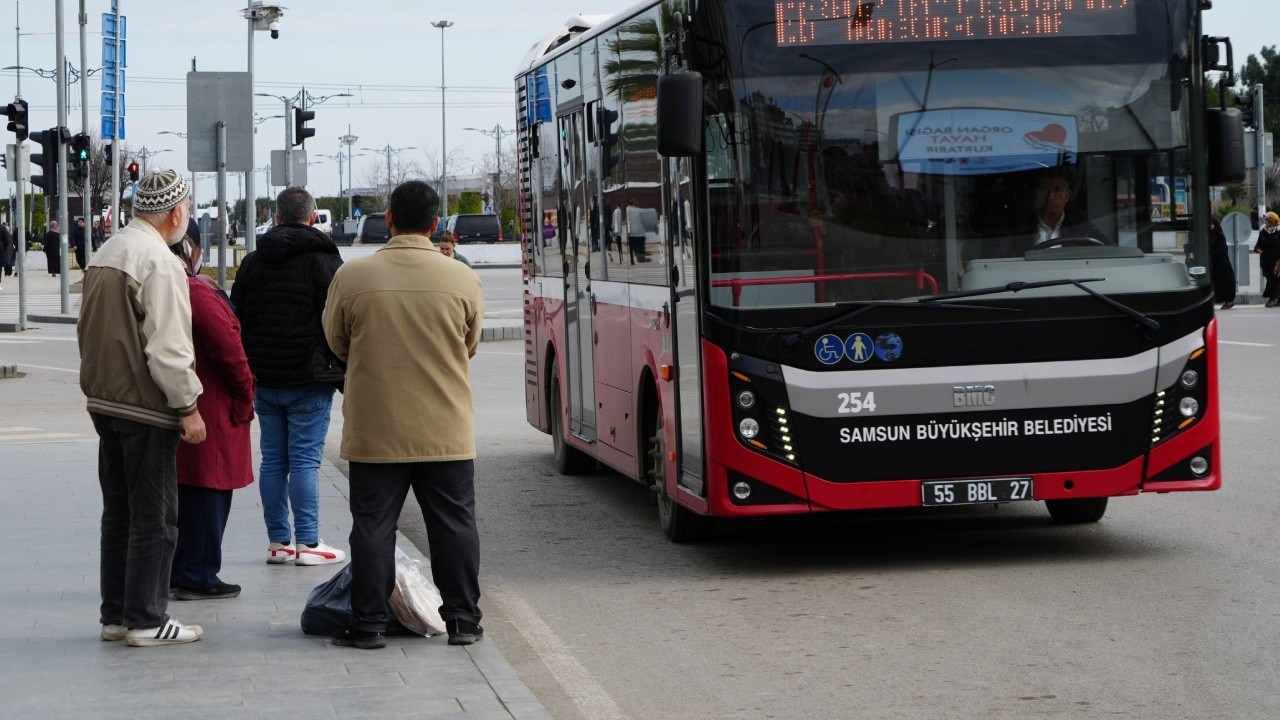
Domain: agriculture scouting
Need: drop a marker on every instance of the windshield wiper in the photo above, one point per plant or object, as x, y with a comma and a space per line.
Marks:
796, 338
1149, 325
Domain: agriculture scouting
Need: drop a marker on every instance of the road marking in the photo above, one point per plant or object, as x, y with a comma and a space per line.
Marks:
1247, 344
33, 436
582, 688
496, 352
46, 367
6, 341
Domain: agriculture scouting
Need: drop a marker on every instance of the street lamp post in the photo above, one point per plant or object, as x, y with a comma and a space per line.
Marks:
388, 151
304, 100
261, 17
497, 133
146, 154
349, 140
444, 149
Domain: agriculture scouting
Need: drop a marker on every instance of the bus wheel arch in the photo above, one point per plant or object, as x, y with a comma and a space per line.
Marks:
678, 523
569, 459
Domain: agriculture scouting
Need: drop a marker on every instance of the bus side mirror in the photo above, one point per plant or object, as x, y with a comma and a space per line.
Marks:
1224, 134
680, 114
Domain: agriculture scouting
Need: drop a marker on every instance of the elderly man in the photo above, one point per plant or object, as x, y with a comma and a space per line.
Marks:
137, 369
407, 321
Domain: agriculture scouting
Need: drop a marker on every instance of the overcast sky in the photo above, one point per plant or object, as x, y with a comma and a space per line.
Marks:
384, 52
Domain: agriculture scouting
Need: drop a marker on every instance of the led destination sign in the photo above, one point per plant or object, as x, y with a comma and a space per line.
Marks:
836, 22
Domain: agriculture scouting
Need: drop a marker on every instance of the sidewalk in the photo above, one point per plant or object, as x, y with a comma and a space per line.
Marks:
44, 302
254, 661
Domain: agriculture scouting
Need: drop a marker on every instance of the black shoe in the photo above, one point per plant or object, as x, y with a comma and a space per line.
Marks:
463, 632
217, 592
1228, 305
360, 639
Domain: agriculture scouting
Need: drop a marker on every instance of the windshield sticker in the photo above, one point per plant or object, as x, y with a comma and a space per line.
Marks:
858, 347
888, 347
963, 141
829, 349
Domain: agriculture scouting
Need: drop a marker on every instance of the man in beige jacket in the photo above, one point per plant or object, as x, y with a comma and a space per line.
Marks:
407, 321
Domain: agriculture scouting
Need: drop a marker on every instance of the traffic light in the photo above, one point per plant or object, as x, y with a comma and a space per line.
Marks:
300, 131
107, 149
79, 158
133, 171
1246, 109
17, 112
357, 201
47, 160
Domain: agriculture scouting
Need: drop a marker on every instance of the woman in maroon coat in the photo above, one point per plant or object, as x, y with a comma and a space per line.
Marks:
208, 472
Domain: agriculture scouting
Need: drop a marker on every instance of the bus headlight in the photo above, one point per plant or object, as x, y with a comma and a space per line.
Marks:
1199, 465
1190, 378
1188, 406
748, 428
746, 399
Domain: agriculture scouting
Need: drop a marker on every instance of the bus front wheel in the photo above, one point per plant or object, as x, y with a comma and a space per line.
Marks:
1082, 510
678, 523
569, 460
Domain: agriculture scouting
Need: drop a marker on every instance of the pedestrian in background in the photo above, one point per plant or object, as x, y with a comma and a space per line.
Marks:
407, 321
8, 249
77, 242
1268, 246
279, 295
52, 251
1223, 275
97, 235
210, 471
448, 248
137, 371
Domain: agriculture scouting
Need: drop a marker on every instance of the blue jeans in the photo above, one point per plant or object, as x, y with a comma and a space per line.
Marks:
293, 422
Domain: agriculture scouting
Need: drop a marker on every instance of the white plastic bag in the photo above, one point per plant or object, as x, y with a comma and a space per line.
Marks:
415, 599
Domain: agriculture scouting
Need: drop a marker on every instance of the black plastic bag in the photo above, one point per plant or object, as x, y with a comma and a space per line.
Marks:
328, 607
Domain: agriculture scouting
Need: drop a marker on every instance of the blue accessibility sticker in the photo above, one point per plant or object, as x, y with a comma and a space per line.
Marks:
829, 349
858, 347
888, 347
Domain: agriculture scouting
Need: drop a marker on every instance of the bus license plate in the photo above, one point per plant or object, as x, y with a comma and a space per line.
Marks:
970, 492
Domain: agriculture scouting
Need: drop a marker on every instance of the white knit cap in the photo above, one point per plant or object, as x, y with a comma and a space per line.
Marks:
160, 191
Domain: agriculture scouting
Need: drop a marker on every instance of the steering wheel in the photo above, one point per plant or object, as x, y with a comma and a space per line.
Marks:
1067, 242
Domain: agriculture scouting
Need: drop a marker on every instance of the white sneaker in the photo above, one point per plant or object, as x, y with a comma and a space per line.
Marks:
280, 553
321, 554
111, 633
171, 633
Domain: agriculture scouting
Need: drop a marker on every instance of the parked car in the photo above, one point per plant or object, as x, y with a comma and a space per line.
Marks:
474, 228
440, 226
372, 230
324, 221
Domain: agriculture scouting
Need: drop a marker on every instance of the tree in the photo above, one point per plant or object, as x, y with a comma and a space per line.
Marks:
374, 175
100, 175
432, 170
1267, 72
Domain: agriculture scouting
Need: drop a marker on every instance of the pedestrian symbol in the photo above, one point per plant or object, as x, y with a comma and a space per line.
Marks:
357, 212
858, 347
829, 349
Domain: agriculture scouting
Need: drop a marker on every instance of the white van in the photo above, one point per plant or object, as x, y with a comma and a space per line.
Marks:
324, 221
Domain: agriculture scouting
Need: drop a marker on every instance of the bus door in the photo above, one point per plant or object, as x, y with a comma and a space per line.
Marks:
574, 219
687, 346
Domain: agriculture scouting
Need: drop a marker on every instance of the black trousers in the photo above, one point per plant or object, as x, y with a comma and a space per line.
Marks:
138, 472
446, 493
202, 520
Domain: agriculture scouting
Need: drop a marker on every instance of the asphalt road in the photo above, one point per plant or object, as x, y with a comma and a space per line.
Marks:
1167, 608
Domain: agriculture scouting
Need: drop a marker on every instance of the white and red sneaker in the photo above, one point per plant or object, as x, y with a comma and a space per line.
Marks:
321, 554
280, 553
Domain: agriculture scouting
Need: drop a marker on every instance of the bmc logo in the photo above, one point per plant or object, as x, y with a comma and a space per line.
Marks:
973, 395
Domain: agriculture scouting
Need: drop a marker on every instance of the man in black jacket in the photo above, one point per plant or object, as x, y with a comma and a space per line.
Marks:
279, 294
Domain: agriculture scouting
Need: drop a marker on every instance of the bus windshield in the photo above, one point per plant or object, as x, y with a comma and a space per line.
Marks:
853, 170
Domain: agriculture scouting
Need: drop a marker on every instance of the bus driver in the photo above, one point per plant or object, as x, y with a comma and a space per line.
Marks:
1050, 220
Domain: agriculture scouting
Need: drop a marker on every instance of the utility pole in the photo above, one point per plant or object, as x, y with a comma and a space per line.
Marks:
1260, 137
497, 133
86, 202
444, 148
63, 229
349, 140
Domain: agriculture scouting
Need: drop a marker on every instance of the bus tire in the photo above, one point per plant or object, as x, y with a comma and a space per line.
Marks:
1082, 510
678, 523
569, 460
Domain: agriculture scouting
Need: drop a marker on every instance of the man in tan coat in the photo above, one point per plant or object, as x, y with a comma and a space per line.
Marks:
407, 321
